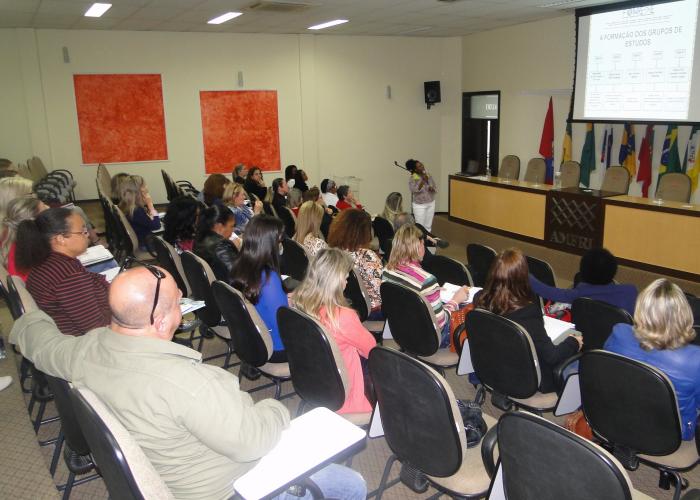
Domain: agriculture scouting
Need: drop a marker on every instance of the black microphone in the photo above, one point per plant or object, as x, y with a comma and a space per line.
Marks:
400, 166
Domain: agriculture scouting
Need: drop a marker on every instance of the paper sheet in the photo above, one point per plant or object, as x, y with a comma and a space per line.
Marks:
448, 291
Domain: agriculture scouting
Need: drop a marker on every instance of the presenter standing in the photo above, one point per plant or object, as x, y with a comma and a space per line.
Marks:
423, 189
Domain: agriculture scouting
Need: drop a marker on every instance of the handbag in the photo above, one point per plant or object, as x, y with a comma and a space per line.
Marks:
577, 423
474, 425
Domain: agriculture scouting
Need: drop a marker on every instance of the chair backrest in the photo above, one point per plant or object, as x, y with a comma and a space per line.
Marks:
595, 320
127, 472
315, 364
23, 171
411, 319
357, 295
540, 459
169, 260
172, 191
289, 219
200, 277
18, 298
448, 270
510, 167
104, 181
536, 170
629, 403
503, 355
541, 270
419, 412
480, 257
129, 242
249, 334
674, 186
616, 180
69, 422
269, 209
294, 260
3, 274
37, 168
383, 229
570, 174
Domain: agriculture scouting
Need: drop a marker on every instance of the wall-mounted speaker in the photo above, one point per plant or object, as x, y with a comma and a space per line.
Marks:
432, 92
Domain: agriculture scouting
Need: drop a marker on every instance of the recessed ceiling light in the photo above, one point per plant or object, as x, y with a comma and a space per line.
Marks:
97, 9
224, 17
328, 24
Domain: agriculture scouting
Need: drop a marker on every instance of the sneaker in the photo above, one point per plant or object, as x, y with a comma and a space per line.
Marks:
5, 382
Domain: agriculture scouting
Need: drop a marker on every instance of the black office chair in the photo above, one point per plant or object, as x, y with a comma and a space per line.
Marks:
294, 260
413, 325
479, 257
540, 459
383, 229
632, 407
250, 336
423, 427
541, 270
359, 300
448, 270
127, 472
287, 216
505, 361
169, 260
77, 454
171, 189
595, 320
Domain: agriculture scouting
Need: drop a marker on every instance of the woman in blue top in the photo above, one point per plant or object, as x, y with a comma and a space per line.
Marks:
595, 281
235, 199
137, 205
661, 336
256, 274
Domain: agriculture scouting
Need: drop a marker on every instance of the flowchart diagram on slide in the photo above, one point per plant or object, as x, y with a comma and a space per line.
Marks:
640, 62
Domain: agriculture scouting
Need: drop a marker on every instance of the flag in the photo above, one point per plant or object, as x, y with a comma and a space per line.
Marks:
588, 156
547, 143
670, 161
691, 165
628, 155
607, 146
646, 151
566, 146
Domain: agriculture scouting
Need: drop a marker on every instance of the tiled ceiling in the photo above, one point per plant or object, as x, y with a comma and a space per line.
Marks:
367, 17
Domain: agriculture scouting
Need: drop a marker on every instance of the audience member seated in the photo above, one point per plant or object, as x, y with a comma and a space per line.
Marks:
660, 337
180, 222
256, 273
507, 293
290, 173
404, 268
239, 174
7, 169
18, 210
197, 428
321, 296
235, 199
213, 189
314, 194
12, 188
294, 200
213, 243
346, 199
255, 185
117, 181
595, 281
328, 191
137, 205
48, 247
280, 190
300, 181
352, 231
309, 227
393, 206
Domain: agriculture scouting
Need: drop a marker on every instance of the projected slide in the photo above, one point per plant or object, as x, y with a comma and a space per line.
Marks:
639, 63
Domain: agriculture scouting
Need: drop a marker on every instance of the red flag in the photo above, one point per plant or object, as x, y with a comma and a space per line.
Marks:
646, 149
547, 143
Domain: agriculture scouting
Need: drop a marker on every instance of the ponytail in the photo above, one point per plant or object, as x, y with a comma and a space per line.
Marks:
34, 237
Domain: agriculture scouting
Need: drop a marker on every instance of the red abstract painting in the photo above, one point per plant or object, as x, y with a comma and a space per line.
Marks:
240, 127
120, 117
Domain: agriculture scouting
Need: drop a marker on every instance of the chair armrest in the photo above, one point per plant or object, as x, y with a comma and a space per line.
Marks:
488, 447
559, 371
455, 338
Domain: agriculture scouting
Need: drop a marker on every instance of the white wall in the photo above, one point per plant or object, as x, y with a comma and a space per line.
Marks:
529, 63
333, 112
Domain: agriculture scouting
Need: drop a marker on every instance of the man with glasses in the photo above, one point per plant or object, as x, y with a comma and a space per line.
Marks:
199, 430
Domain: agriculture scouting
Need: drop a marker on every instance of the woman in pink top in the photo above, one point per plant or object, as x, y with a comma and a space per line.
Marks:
321, 296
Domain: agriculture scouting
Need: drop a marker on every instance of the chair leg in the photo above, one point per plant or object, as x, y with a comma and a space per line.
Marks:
69, 486
56, 453
39, 415
382, 483
300, 408
278, 388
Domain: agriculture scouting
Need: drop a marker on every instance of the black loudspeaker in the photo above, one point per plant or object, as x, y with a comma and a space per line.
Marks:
432, 92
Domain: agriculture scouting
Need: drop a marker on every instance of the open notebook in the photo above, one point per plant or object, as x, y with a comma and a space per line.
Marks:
95, 254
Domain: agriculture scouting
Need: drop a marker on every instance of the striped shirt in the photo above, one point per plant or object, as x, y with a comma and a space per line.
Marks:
74, 297
415, 277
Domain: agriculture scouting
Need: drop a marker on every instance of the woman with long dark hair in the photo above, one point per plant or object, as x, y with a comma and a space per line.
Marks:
48, 247
256, 274
213, 240
180, 222
507, 293
255, 185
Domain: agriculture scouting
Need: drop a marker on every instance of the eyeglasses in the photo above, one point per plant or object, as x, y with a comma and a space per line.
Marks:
84, 232
129, 261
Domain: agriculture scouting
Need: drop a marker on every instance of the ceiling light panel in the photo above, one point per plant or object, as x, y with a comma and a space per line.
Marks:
97, 9
328, 24
224, 18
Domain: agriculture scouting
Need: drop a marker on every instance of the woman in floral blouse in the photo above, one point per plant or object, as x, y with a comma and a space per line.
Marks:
309, 227
352, 231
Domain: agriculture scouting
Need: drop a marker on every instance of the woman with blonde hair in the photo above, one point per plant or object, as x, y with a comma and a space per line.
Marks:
236, 199
137, 205
18, 210
321, 295
309, 227
392, 207
11, 188
661, 336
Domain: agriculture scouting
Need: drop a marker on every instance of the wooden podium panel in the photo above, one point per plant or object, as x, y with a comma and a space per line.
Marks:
665, 236
516, 207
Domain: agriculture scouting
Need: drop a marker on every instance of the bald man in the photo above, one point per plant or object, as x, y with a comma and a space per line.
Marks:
199, 430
